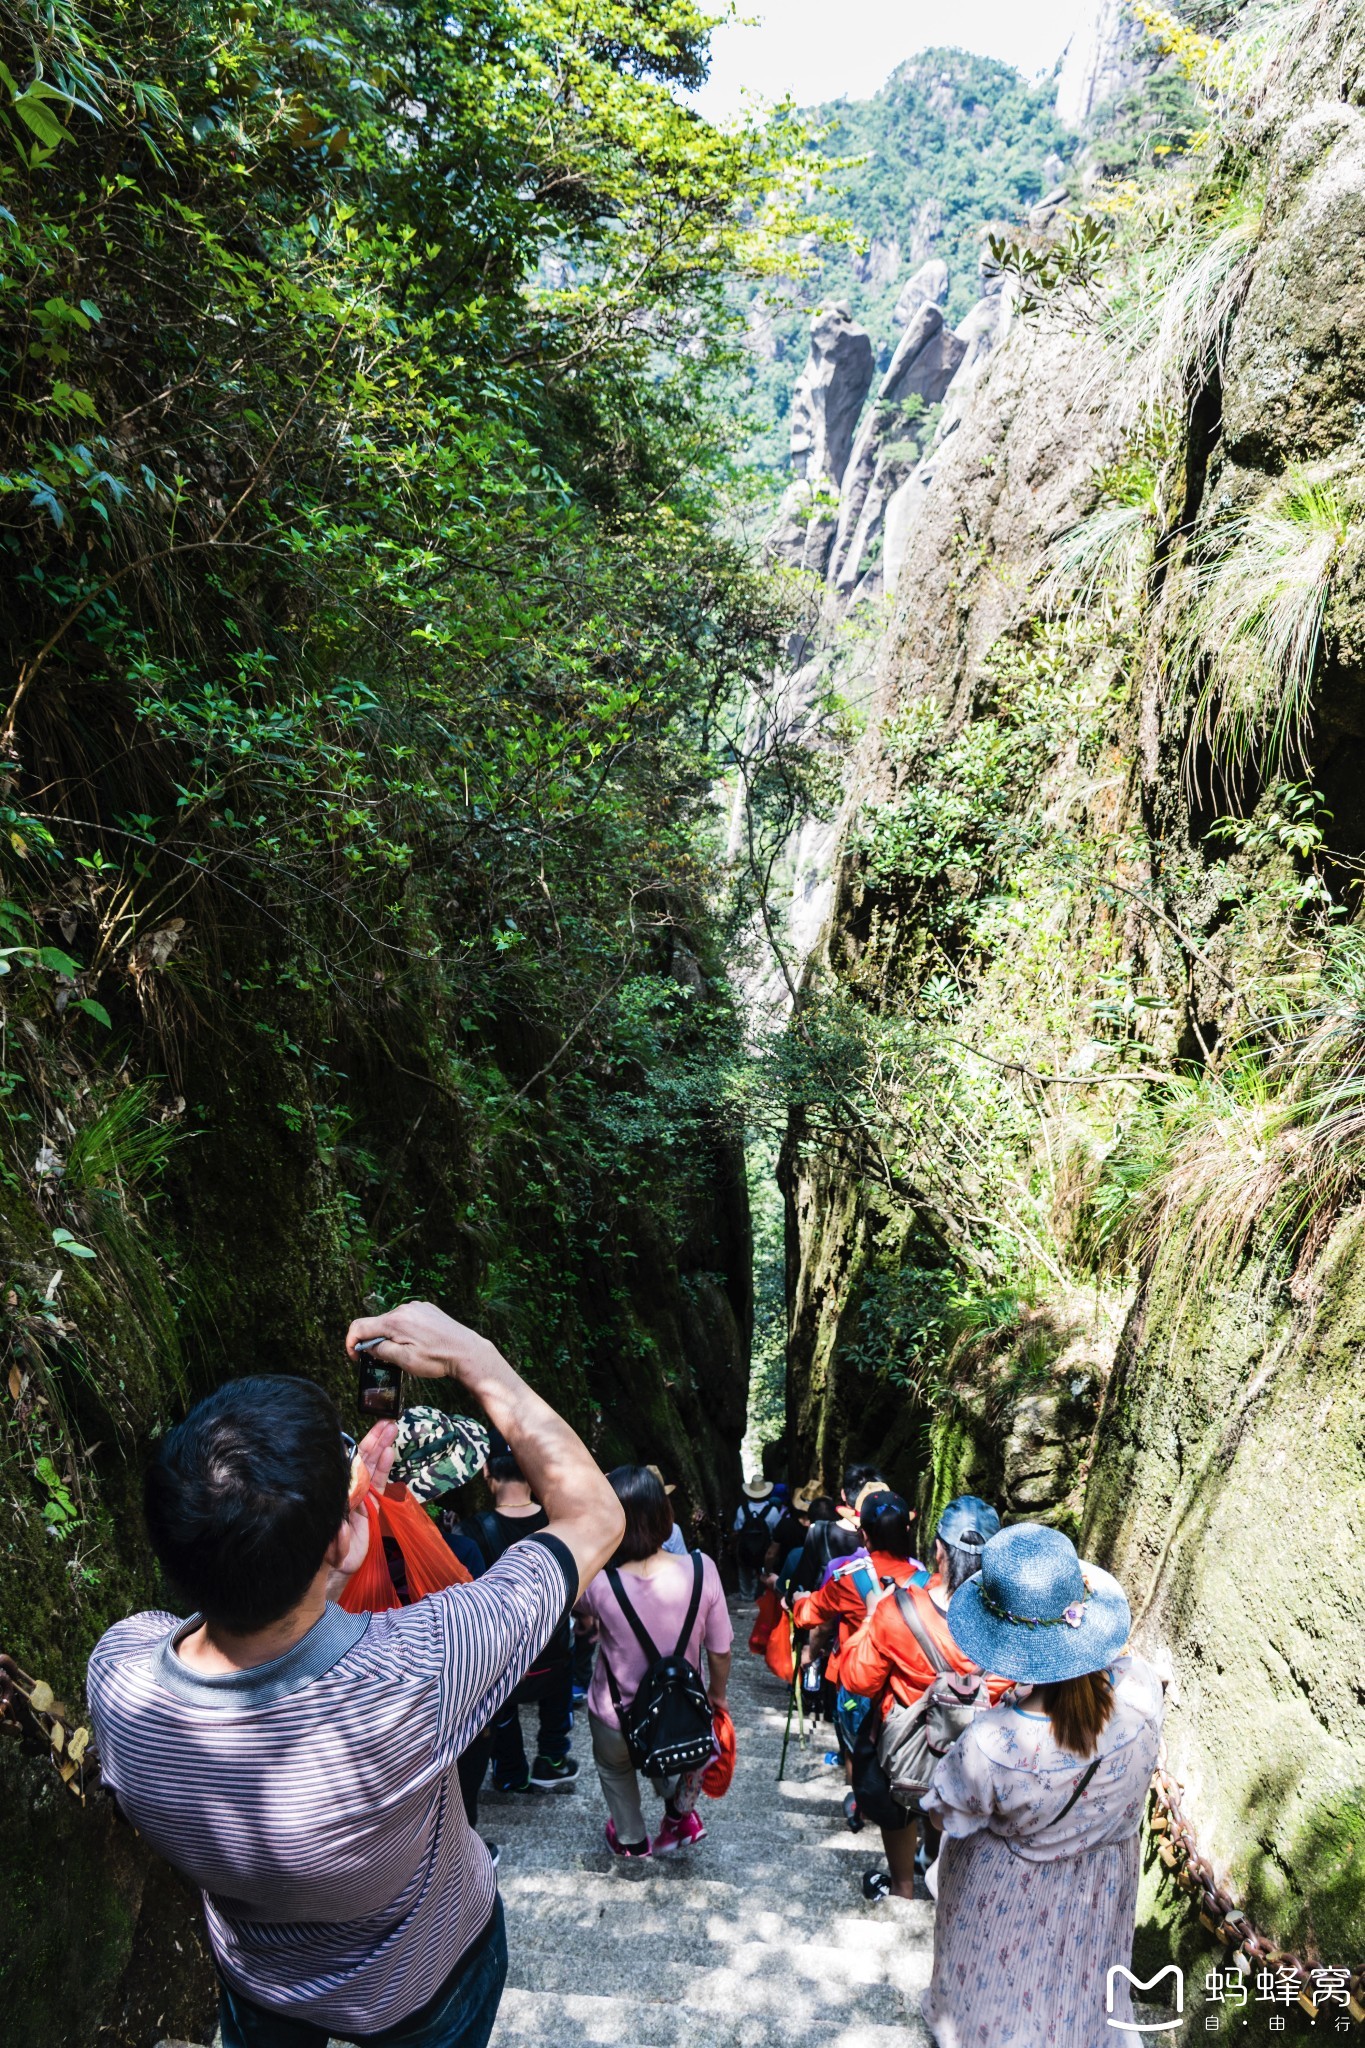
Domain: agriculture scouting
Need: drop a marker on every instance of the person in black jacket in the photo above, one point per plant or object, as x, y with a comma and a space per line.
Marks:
548, 1685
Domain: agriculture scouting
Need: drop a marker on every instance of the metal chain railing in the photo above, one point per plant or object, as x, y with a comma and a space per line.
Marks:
1316, 1985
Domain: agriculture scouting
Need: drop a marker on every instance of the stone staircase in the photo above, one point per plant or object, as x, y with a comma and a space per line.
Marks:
757, 1938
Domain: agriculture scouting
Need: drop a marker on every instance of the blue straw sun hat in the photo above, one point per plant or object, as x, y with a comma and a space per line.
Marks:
968, 1511
1035, 1613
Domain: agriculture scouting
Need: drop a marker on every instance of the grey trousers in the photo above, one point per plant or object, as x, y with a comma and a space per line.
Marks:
621, 1785
748, 1579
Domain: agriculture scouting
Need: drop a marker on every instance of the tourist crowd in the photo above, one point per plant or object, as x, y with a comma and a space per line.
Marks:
310, 1746
993, 1723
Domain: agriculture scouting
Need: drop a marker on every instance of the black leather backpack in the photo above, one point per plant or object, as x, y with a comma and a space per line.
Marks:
667, 1725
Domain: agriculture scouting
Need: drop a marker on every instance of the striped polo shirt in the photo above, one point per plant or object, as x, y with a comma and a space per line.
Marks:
314, 1799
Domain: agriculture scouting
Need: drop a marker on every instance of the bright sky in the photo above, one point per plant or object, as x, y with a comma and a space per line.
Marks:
844, 49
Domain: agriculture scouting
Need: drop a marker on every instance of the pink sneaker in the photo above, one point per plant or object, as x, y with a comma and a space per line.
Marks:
634, 1852
678, 1834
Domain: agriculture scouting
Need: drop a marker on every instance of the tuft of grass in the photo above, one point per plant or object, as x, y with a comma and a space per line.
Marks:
1270, 1148
123, 1148
1170, 319
1250, 622
1270, 40
1227, 1173
1098, 564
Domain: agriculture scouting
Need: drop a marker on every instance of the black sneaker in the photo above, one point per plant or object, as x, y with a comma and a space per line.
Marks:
494, 1853
508, 1786
549, 1773
876, 1884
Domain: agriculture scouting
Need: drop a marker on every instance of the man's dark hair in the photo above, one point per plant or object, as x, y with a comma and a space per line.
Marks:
649, 1518
821, 1509
856, 1477
502, 1459
244, 1496
885, 1522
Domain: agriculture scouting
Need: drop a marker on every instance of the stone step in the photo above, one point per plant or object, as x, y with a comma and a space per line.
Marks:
756, 1938
734, 1976
529, 2019
552, 1913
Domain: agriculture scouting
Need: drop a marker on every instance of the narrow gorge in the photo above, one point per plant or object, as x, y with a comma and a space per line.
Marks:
735, 750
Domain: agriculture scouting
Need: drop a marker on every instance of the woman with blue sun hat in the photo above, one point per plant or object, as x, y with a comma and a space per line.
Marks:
1040, 1803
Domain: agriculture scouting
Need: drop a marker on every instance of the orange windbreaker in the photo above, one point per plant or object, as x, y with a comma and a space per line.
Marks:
884, 1657
839, 1600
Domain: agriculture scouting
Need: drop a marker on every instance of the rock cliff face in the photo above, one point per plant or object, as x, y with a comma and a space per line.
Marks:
1203, 1433
1102, 60
922, 369
829, 396
928, 287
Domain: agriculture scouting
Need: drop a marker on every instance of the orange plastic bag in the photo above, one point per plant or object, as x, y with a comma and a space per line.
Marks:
428, 1561
715, 1779
765, 1621
778, 1654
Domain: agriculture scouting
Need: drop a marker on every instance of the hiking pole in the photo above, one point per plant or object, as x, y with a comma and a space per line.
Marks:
787, 1734
800, 1691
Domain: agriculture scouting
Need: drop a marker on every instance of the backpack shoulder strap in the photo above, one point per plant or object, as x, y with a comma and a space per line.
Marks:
693, 1604
1077, 1790
642, 1635
485, 1532
824, 1556
907, 1604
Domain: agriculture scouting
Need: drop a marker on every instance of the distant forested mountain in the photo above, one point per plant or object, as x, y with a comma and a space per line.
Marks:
951, 141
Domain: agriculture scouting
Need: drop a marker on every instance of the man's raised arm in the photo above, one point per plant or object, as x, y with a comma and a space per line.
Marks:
583, 1511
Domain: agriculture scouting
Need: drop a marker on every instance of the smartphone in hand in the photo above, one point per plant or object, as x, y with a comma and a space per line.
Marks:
379, 1387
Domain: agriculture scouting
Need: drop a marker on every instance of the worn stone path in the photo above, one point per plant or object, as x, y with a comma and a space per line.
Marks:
757, 1938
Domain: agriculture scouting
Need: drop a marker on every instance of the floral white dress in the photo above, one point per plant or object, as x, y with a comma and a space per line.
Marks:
1033, 1912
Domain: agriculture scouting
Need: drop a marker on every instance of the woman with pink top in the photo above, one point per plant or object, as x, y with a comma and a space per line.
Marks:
662, 1589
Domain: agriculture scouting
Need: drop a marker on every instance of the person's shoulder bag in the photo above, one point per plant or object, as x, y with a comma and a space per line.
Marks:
912, 1739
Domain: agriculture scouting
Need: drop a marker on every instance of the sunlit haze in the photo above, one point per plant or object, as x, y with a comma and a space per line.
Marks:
844, 49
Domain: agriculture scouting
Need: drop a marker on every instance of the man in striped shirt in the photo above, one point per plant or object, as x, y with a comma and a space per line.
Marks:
298, 1762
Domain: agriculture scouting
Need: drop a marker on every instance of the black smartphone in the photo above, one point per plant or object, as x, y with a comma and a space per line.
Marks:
379, 1387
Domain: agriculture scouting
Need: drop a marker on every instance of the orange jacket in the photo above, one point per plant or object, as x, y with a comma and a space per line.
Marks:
839, 1600
884, 1657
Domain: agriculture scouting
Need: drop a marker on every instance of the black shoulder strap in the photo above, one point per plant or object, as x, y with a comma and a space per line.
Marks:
642, 1635
693, 1604
485, 1531
1077, 1790
907, 1604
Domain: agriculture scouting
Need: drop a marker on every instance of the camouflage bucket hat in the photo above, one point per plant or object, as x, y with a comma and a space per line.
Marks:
437, 1452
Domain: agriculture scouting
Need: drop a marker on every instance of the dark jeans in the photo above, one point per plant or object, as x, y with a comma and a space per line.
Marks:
459, 2015
552, 1692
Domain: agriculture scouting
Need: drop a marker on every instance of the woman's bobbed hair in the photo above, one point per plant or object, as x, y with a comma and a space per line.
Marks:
649, 1518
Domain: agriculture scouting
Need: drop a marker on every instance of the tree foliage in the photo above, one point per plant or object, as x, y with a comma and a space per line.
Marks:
368, 627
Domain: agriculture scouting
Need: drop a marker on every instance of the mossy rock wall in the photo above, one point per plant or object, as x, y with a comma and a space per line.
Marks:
1224, 1483
1229, 1497
99, 1939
